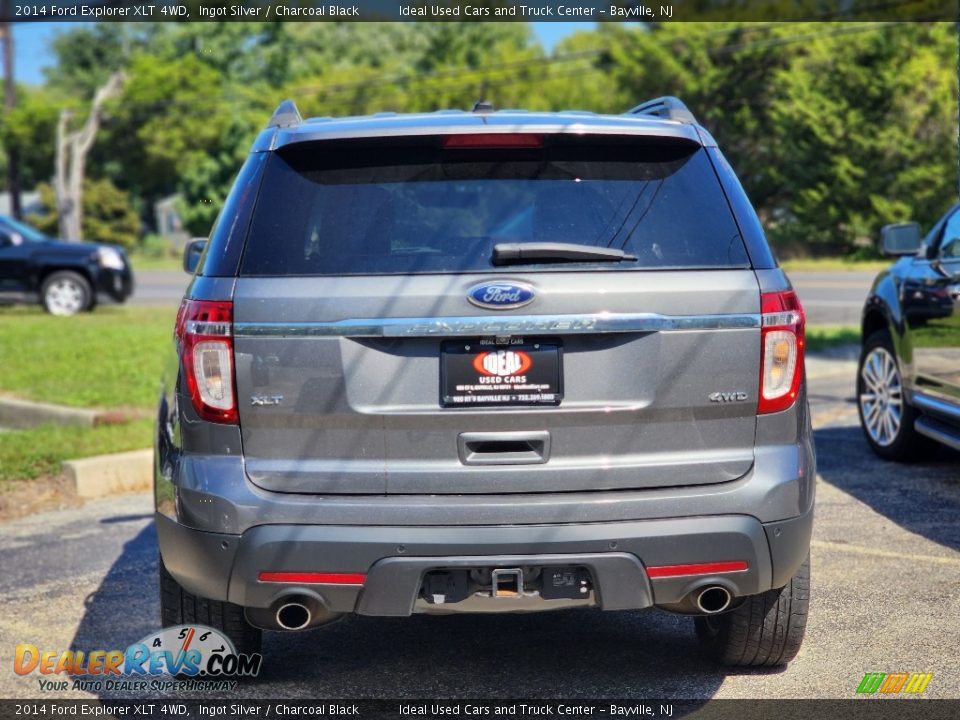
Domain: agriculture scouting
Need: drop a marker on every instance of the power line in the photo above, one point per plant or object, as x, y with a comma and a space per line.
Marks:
485, 72
558, 58
467, 78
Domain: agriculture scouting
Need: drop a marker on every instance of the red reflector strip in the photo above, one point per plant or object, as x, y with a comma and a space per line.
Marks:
697, 569
493, 140
314, 578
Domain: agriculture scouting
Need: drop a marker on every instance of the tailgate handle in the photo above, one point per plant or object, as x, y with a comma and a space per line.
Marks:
504, 448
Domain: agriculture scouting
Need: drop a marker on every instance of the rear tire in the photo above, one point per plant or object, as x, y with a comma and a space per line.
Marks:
66, 293
179, 607
886, 417
766, 630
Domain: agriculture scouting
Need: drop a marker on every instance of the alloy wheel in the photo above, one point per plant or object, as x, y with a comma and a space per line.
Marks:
881, 396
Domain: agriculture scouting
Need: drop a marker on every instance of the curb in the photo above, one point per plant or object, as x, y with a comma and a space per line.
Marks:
105, 475
23, 414
17, 414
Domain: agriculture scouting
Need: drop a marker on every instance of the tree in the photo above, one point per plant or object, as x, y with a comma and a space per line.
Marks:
433, 66
867, 134
108, 214
87, 55
71, 156
31, 128
834, 128
204, 184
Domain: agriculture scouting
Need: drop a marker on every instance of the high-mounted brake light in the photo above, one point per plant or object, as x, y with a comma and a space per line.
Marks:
492, 141
205, 333
781, 351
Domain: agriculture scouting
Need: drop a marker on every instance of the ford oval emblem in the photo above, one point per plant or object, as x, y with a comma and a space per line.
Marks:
501, 295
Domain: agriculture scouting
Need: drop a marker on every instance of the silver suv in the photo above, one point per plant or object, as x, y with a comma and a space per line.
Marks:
487, 361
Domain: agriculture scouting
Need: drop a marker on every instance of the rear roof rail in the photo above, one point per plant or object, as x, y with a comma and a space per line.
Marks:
286, 115
667, 107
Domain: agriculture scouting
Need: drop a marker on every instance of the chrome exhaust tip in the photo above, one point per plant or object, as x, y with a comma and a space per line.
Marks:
293, 616
713, 599
292, 611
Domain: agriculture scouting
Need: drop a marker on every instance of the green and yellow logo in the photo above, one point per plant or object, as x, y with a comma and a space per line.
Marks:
894, 683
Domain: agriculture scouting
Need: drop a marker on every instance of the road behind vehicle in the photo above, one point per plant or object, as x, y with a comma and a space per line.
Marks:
908, 384
65, 277
488, 362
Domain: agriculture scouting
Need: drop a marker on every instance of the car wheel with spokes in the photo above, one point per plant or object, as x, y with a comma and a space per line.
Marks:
885, 415
66, 293
764, 630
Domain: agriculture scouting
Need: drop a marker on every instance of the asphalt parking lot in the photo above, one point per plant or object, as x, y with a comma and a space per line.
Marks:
886, 574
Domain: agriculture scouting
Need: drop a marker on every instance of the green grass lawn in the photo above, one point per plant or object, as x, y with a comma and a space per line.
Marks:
824, 337
109, 358
835, 265
146, 261
936, 333
28, 454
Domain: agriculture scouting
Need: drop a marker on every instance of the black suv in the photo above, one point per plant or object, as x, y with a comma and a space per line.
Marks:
64, 276
908, 384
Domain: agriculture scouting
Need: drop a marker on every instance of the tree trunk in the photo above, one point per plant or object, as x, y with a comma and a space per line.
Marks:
9, 102
64, 205
71, 159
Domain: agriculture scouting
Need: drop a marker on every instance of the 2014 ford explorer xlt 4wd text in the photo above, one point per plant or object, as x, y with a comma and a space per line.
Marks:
488, 361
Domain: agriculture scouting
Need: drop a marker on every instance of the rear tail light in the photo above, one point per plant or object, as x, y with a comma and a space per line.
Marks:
781, 349
205, 333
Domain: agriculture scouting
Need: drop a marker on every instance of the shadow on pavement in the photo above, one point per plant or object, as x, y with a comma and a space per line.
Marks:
124, 607
922, 497
572, 654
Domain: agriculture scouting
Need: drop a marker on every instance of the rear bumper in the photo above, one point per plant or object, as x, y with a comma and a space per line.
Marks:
218, 530
395, 559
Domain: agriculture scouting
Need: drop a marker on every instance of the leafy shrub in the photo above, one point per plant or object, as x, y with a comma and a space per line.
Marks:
108, 215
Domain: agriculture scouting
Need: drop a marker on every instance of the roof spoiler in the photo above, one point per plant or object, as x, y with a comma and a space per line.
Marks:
286, 115
667, 107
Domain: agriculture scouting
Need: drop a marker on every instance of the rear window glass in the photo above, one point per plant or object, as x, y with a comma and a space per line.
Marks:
349, 209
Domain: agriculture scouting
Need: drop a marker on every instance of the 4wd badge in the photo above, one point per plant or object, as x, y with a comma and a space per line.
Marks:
725, 397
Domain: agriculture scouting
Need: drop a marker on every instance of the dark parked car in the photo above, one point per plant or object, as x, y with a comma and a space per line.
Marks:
65, 277
487, 362
908, 384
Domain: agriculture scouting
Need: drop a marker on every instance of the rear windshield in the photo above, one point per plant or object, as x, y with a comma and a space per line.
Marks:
348, 209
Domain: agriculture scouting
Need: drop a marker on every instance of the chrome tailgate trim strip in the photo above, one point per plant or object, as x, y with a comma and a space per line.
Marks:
585, 324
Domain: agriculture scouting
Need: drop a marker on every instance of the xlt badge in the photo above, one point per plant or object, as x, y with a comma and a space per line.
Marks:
266, 399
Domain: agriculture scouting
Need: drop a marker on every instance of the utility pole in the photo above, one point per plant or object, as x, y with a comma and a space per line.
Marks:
9, 102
